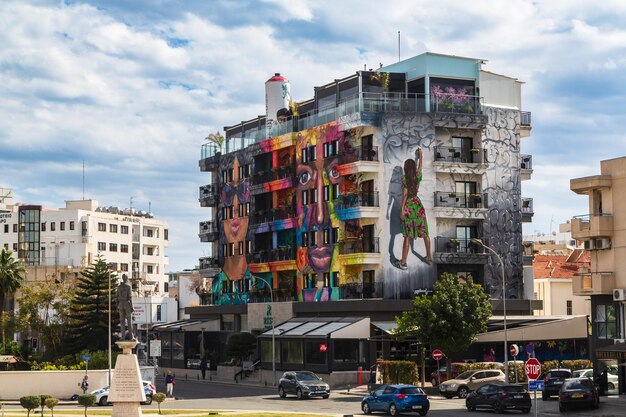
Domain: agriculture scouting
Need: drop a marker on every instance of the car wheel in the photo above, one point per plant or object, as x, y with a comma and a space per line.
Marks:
325, 396
497, 407
562, 408
299, 394
148, 400
611, 386
448, 396
103, 400
393, 410
462, 392
422, 412
366, 408
469, 406
281, 392
434, 382
525, 410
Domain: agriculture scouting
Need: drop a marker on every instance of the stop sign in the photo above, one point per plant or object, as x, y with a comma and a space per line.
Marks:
533, 368
437, 354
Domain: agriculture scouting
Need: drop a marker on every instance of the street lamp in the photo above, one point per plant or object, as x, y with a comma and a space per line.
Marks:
506, 344
273, 336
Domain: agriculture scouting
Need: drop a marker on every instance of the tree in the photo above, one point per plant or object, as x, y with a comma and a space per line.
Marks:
449, 319
87, 400
51, 403
30, 402
216, 138
159, 397
11, 279
88, 324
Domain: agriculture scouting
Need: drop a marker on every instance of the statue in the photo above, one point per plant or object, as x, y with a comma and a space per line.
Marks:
125, 308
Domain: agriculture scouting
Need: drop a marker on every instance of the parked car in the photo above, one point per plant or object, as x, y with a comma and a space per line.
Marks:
553, 381
443, 373
394, 399
470, 381
499, 397
576, 392
102, 394
588, 373
303, 384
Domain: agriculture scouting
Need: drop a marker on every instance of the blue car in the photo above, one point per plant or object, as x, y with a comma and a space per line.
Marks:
394, 399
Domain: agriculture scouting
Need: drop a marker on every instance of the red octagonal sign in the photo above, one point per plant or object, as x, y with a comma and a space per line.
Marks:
437, 354
533, 368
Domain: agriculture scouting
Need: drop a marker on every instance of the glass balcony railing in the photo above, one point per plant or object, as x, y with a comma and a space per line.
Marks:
209, 150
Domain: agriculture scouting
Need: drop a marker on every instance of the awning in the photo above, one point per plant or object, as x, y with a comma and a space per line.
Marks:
616, 351
190, 325
322, 327
388, 327
522, 328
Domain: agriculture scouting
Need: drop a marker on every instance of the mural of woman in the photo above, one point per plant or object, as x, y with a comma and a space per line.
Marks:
413, 215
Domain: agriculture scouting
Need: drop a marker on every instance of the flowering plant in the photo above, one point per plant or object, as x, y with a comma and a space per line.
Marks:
450, 98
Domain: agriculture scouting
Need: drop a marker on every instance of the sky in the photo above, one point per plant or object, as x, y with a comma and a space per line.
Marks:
132, 88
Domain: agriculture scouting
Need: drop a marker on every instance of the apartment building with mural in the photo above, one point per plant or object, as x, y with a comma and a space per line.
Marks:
307, 200
603, 232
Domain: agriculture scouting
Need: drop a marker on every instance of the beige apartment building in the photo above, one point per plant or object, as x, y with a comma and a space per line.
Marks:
603, 232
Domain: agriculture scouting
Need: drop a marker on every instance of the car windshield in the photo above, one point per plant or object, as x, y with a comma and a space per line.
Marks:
560, 374
577, 384
306, 376
412, 390
466, 375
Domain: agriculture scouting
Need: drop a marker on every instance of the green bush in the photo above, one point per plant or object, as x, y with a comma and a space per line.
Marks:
86, 400
30, 402
51, 402
159, 397
398, 372
99, 360
42, 401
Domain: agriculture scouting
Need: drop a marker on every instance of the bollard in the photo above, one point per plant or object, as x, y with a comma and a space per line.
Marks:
359, 377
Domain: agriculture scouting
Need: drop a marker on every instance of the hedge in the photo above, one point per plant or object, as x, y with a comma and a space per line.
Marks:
398, 372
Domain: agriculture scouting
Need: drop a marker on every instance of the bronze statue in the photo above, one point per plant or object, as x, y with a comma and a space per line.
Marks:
125, 308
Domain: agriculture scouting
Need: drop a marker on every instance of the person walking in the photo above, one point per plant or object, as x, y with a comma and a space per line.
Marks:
169, 383
412, 213
85, 384
203, 366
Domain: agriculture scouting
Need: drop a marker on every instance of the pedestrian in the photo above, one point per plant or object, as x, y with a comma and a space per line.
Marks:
85, 384
203, 366
169, 383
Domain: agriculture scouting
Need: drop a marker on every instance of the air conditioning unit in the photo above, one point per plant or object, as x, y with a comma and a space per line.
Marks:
589, 244
618, 341
603, 243
619, 294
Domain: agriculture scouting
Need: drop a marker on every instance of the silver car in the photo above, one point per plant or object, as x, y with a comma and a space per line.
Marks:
470, 381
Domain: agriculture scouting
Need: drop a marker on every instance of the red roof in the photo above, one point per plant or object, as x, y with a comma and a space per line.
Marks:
560, 266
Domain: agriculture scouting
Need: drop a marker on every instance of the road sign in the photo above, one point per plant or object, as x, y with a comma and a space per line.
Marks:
86, 358
155, 348
437, 354
514, 350
532, 368
536, 385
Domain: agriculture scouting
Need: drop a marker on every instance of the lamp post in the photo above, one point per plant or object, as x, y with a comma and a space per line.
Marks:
110, 342
273, 336
506, 343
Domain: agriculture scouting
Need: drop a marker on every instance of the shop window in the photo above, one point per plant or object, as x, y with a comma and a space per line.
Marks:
346, 351
292, 351
315, 352
266, 351
606, 322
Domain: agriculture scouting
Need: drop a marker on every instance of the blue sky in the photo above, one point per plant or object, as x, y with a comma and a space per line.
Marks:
133, 87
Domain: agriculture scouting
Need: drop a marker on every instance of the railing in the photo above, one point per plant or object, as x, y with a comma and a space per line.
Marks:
527, 205
361, 199
525, 118
526, 162
209, 262
209, 193
357, 291
456, 245
280, 213
443, 199
352, 246
284, 253
455, 103
362, 153
456, 154
273, 174
209, 150
208, 227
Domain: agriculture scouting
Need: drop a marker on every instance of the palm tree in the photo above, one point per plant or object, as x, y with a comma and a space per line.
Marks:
11, 278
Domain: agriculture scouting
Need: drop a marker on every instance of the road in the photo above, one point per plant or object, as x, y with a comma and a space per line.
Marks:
194, 394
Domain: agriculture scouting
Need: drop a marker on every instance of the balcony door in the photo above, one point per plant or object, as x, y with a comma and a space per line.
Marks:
463, 190
367, 193
368, 238
464, 234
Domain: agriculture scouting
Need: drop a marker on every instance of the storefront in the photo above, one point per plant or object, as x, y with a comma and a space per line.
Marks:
184, 343
612, 359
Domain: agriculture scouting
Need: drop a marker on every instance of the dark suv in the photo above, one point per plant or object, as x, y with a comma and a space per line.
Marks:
303, 384
553, 381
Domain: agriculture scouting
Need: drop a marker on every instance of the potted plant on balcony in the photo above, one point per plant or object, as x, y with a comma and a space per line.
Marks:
476, 199
454, 244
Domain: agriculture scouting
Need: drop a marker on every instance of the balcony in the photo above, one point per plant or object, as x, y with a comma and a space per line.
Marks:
209, 231
455, 205
593, 283
209, 195
527, 210
526, 167
280, 254
280, 215
357, 206
359, 160
451, 250
585, 185
359, 251
588, 226
285, 174
209, 266
528, 253
209, 157
360, 291
525, 124
455, 103
459, 155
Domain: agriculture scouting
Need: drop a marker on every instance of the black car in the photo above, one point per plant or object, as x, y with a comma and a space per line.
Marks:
303, 384
499, 397
553, 382
576, 392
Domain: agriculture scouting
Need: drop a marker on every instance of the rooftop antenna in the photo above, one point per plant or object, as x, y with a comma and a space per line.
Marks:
398, 46
131, 203
83, 179
149, 206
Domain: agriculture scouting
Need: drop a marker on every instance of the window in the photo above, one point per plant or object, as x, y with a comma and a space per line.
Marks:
334, 191
326, 236
242, 209
225, 249
15, 247
231, 174
305, 239
124, 230
346, 350
313, 196
568, 307
147, 232
112, 247
326, 193
248, 246
326, 279
224, 176
166, 233
149, 269
305, 197
231, 249
43, 227
124, 248
241, 248
113, 228
102, 246
158, 313
62, 225
52, 227
606, 322
314, 353
313, 237
308, 154
15, 228
102, 227
71, 225
330, 149
124, 267
6, 246
292, 351
335, 235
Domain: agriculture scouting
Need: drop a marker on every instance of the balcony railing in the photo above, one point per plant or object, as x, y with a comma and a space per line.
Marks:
209, 150
363, 153
455, 103
271, 215
525, 118
362, 199
526, 162
358, 291
455, 154
209, 231
527, 206
443, 199
456, 245
273, 174
352, 246
209, 262
209, 195
285, 253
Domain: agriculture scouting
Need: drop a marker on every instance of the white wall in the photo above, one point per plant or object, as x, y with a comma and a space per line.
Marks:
500, 91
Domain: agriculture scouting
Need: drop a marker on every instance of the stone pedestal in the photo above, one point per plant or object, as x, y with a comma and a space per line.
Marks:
126, 387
